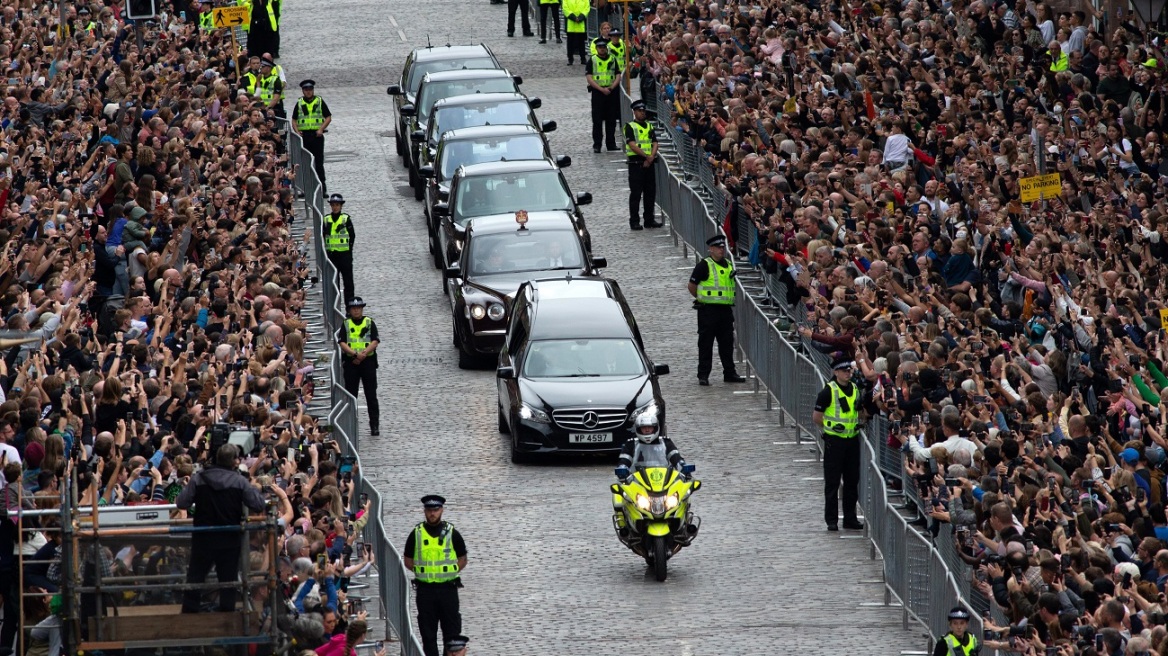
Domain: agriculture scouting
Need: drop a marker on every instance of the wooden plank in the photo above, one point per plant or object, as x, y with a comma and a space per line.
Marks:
160, 627
141, 611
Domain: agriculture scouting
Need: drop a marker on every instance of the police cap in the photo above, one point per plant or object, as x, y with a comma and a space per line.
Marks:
717, 240
433, 501
308, 84
638, 104
336, 198
456, 643
602, 42
356, 301
842, 363
958, 613
267, 61
614, 33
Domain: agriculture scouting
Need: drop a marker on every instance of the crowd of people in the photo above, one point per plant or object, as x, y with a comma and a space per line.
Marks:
151, 297
1015, 350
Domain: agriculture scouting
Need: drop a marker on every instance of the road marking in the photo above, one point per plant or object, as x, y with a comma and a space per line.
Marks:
393, 21
813, 478
785, 443
801, 459
893, 604
854, 537
401, 35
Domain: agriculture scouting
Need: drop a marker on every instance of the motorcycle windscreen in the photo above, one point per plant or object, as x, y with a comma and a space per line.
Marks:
652, 465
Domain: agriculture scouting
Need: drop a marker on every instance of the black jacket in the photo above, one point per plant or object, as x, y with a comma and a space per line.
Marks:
219, 496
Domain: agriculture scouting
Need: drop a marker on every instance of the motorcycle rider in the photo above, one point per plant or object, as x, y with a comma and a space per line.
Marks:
648, 432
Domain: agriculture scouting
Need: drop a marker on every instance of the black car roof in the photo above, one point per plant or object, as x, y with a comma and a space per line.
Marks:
579, 318
491, 224
466, 74
430, 53
476, 98
489, 132
517, 166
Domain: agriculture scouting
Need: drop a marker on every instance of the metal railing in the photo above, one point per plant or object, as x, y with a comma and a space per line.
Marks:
393, 581
921, 572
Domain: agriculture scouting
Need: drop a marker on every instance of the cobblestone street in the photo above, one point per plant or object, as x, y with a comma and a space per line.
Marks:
546, 573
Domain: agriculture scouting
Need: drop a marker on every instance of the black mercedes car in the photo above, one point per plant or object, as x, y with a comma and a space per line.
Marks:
573, 376
447, 84
502, 252
486, 143
429, 59
536, 186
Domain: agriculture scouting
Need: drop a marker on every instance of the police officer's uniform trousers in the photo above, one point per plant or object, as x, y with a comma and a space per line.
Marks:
364, 373
841, 455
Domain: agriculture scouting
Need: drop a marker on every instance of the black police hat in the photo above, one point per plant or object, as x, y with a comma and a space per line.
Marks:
717, 240
602, 42
308, 84
842, 362
614, 33
959, 613
638, 104
356, 301
456, 643
267, 61
433, 501
336, 198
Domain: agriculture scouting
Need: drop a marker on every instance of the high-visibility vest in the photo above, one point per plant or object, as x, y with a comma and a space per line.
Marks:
247, 23
576, 8
718, 287
434, 558
955, 647
270, 4
205, 21
836, 420
616, 48
604, 70
1061, 64
641, 132
358, 333
309, 114
267, 88
549, 2
250, 81
336, 236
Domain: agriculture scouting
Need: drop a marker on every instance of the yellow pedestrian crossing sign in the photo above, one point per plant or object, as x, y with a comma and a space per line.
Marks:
229, 16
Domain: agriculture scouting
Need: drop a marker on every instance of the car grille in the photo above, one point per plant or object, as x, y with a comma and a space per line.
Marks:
590, 419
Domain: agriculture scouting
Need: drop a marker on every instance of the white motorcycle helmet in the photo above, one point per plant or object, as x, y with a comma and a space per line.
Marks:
648, 430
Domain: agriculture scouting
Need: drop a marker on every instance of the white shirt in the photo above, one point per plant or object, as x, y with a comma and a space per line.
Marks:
896, 148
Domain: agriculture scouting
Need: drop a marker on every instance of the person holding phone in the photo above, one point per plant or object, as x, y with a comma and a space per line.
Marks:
346, 643
436, 553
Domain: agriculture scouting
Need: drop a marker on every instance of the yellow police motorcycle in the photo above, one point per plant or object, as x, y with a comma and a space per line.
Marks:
651, 508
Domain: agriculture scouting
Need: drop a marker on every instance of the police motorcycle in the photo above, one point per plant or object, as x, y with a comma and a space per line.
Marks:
651, 507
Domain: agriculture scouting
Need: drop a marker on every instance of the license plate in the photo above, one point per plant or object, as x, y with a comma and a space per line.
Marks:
589, 438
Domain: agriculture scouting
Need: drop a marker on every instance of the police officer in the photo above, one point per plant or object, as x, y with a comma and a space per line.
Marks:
339, 236
576, 24
204, 11
641, 149
457, 646
436, 552
712, 286
358, 340
549, 7
250, 81
603, 75
615, 45
837, 411
958, 642
310, 118
264, 35
519, 5
271, 87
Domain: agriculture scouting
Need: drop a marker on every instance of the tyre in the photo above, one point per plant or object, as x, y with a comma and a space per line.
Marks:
401, 147
419, 189
435, 257
503, 427
518, 457
413, 178
660, 559
466, 360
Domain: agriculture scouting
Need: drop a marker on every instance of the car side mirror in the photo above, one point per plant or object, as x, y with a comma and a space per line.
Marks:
417, 136
534, 103
688, 469
563, 161
660, 369
548, 126
451, 272
426, 170
408, 110
583, 198
518, 79
441, 209
600, 263
394, 90
505, 373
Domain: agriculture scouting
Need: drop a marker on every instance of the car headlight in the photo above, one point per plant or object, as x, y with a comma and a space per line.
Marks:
496, 312
650, 409
642, 503
477, 312
671, 501
528, 413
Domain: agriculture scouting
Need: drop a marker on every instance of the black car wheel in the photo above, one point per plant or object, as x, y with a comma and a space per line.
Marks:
467, 360
434, 254
401, 145
419, 189
413, 178
503, 427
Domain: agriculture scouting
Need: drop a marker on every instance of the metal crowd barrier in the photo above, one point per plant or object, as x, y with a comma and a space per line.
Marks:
925, 575
394, 588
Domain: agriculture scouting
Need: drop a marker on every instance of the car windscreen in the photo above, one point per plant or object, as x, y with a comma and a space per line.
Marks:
527, 250
435, 91
465, 152
582, 358
533, 191
512, 112
420, 69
